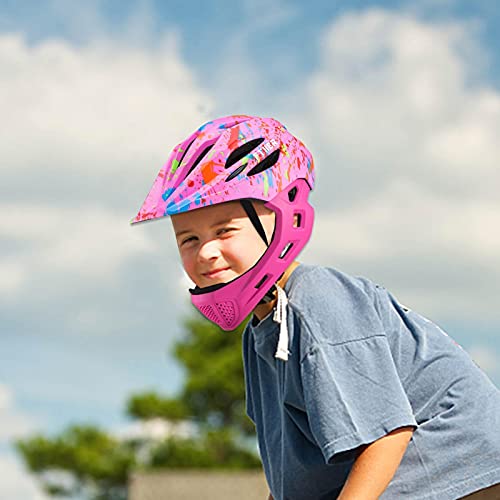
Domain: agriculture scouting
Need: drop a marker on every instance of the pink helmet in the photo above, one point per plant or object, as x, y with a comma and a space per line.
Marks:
240, 158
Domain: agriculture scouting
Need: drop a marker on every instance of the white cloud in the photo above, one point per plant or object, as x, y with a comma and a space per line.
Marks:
13, 423
398, 97
87, 242
5, 397
15, 483
486, 359
12, 277
88, 129
96, 108
411, 242
405, 215
156, 429
150, 432
404, 135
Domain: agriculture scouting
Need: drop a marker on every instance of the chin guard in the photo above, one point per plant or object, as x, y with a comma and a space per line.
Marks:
228, 304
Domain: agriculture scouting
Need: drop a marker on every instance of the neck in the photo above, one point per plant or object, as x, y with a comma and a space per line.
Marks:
262, 310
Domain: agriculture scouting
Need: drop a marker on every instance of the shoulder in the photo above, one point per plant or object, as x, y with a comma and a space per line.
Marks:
320, 286
334, 306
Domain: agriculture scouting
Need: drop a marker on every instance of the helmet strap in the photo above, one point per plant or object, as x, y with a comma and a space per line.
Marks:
254, 218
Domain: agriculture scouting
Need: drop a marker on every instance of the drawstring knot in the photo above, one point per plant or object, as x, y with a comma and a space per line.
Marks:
280, 317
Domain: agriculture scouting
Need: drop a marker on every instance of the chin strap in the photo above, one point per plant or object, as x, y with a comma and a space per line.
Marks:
280, 312
280, 317
254, 219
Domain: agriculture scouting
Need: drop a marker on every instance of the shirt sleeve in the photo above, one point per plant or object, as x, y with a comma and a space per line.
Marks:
353, 394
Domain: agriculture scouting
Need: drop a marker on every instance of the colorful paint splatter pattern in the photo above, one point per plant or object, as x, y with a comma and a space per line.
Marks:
177, 189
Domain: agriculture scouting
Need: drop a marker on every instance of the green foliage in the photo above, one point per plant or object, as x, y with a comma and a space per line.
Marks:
216, 450
149, 405
213, 397
96, 461
214, 389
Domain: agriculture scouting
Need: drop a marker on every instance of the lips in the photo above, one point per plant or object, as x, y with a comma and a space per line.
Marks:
215, 272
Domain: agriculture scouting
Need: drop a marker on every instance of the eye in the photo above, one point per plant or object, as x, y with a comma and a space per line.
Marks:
225, 230
187, 240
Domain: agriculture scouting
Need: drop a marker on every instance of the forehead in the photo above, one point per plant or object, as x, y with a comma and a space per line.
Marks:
207, 215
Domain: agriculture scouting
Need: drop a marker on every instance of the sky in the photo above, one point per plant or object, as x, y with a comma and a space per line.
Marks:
399, 104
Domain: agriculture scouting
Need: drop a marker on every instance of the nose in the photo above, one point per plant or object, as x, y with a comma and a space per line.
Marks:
209, 251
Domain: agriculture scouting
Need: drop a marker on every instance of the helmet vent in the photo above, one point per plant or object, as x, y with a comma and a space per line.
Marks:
285, 250
208, 312
292, 194
236, 172
227, 311
297, 220
185, 151
197, 161
265, 163
242, 151
261, 282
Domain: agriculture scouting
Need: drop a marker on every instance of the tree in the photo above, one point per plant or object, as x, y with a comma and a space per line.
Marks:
94, 463
215, 449
97, 465
214, 391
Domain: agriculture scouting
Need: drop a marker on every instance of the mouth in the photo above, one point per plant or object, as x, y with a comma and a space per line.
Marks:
215, 273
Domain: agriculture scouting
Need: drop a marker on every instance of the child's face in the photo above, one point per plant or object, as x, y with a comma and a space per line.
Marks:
219, 243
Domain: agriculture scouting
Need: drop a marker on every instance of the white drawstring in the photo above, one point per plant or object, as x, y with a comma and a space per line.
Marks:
280, 317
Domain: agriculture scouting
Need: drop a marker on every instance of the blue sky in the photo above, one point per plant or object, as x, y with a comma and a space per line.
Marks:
399, 104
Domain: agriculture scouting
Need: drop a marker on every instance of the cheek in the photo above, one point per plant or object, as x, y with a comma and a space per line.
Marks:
188, 263
245, 251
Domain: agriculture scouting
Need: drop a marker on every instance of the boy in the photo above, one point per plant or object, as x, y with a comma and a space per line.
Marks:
353, 395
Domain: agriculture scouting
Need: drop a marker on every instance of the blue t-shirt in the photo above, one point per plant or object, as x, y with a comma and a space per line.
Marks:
360, 366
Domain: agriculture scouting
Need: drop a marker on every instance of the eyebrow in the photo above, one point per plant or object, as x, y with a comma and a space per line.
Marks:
218, 223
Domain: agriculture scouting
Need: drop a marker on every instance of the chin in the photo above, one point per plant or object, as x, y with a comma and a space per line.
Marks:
204, 283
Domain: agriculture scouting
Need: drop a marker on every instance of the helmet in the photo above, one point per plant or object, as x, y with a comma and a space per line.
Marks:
240, 158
